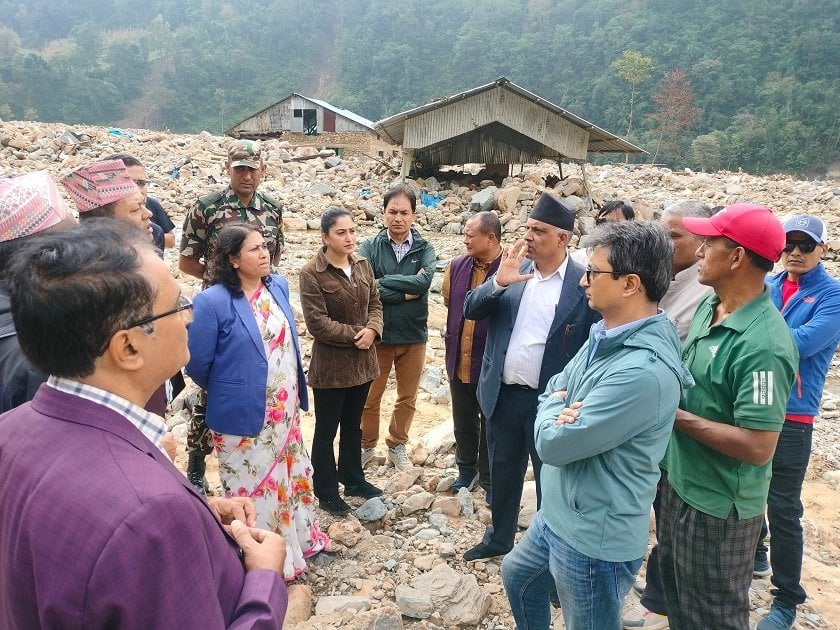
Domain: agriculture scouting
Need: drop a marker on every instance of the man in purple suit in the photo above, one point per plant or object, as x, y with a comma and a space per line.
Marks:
97, 527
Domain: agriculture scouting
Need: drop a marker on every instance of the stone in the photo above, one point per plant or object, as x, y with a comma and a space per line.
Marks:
417, 502
348, 531
413, 603
465, 500
483, 200
332, 161
341, 603
431, 378
528, 504
322, 188
300, 604
450, 506
294, 223
458, 597
424, 563
402, 480
371, 510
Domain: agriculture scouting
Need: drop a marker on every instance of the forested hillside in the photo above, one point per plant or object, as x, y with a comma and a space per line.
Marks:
717, 84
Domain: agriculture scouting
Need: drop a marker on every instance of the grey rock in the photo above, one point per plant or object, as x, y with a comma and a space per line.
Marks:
322, 188
371, 510
458, 597
340, 603
466, 501
431, 379
483, 199
413, 603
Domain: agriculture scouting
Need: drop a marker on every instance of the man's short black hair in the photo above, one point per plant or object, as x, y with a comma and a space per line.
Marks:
72, 290
396, 191
643, 248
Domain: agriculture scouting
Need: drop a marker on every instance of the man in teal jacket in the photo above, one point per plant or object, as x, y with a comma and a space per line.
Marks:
404, 264
602, 428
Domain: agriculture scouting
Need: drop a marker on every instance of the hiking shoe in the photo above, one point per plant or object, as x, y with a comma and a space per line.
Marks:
367, 456
480, 552
779, 618
399, 458
465, 481
641, 617
761, 567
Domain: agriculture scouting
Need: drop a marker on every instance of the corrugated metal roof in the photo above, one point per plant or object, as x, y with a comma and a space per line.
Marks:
394, 129
341, 112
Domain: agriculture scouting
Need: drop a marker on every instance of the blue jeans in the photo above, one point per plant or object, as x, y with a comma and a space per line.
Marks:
784, 509
591, 592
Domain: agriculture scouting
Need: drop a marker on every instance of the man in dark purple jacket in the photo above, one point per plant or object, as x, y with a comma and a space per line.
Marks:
465, 346
104, 531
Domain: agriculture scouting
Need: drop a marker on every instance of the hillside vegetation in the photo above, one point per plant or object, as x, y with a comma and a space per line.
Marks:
718, 84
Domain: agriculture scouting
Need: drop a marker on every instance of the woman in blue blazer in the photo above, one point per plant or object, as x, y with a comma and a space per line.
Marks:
244, 351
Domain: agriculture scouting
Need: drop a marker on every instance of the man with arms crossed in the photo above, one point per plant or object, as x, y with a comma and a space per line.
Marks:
602, 427
106, 532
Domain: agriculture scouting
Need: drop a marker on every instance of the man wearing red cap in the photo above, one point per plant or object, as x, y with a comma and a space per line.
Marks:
743, 360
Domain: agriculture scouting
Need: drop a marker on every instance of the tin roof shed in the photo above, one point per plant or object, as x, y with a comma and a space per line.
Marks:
497, 123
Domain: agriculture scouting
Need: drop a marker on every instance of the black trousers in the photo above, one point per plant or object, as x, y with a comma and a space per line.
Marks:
470, 432
784, 509
340, 410
510, 441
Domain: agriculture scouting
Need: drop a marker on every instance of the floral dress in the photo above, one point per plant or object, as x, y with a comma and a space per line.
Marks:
273, 468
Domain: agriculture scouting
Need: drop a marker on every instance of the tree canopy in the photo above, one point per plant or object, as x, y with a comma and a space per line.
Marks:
761, 76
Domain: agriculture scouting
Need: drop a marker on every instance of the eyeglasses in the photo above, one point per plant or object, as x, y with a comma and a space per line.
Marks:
184, 304
806, 247
589, 271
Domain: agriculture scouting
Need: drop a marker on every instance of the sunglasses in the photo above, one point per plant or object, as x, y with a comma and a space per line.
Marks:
806, 247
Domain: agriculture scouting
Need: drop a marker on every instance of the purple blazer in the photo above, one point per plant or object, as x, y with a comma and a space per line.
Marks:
99, 529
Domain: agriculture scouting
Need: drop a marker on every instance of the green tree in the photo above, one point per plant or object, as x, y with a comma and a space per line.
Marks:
635, 68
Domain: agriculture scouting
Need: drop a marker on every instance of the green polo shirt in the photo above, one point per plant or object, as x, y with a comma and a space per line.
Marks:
743, 370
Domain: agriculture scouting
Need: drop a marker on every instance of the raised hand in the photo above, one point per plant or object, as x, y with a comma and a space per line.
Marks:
512, 258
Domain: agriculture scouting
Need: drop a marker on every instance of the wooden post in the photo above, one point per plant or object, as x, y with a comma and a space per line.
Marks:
586, 185
408, 159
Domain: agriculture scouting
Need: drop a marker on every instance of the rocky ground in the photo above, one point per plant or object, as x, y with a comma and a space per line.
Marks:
401, 564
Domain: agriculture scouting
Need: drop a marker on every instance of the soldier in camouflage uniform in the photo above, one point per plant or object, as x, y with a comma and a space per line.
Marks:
238, 203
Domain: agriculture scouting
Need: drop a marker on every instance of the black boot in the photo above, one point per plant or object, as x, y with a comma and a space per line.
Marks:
195, 471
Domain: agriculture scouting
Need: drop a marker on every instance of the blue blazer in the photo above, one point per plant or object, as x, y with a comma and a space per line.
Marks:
569, 330
227, 357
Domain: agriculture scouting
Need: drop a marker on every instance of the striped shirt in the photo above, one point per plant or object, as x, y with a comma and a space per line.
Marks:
151, 426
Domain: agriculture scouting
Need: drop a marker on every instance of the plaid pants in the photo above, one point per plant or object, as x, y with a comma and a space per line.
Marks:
706, 565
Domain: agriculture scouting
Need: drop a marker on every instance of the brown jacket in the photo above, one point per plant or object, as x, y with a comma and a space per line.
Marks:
335, 309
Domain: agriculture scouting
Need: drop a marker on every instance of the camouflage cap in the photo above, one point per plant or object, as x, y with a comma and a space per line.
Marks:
245, 153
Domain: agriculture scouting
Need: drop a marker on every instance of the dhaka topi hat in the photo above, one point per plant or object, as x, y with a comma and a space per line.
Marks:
29, 204
549, 209
98, 184
245, 153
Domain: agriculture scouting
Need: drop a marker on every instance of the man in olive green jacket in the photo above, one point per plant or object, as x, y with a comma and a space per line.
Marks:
403, 264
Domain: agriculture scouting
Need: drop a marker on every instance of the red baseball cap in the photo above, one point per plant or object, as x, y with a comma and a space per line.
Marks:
753, 227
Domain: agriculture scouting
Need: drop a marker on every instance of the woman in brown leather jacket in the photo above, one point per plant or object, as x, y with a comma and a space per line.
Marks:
343, 313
